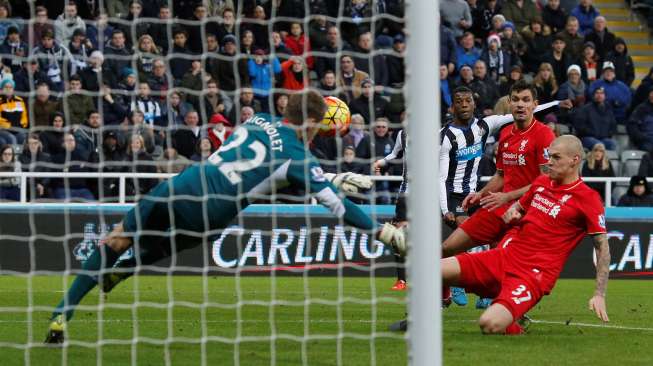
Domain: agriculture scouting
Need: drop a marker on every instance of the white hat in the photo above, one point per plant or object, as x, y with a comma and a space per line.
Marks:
607, 65
573, 68
494, 38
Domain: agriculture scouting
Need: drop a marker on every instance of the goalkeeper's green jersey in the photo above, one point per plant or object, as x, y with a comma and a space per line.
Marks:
257, 160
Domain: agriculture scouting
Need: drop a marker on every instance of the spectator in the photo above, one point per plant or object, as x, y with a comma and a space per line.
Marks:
246, 112
215, 101
42, 106
219, 130
186, 137
282, 52
177, 109
193, 82
77, 104
574, 41
228, 64
492, 9
67, 23
395, 62
597, 165
299, 44
642, 92
374, 147
545, 83
498, 21
486, 89
457, 16
520, 12
373, 65
258, 25
554, 16
317, 30
466, 76
538, 40
80, 48
41, 23
55, 60
602, 38
370, 105
640, 124
280, 104
181, 62
246, 99
52, 137
113, 157
585, 13
646, 166
201, 27
95, 75
618, 95
514, 76
117, 54
9, 186
247, 43
29, 76
638, 195
358, 14
481, 19
327, 61
137, 125
139, 162
595, 123
357, 130
328, 86
497, 60
559, 59
349, 163
12, 50
262, 71
350, 78
113, 110
70, 160
99, 32
447, 49
228, 25
623, 64
171, 162
589, 63
88, 136
446, 87
574, 89
13, 115
132, 25
203, 150
161, 30
466, 52
34, 159
146, 52
158, 82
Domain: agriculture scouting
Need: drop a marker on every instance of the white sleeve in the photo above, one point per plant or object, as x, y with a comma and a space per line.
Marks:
395, 150
444, 170
497, 121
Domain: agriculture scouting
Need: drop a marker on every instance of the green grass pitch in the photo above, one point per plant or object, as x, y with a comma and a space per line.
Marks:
312, 320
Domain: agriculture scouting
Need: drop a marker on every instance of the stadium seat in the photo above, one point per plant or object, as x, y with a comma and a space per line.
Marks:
632, 155
623, 142
612, 155
617, 192
616, 167
621, 129
630, 167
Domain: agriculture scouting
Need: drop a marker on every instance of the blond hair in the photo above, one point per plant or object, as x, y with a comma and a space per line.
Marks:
591, 161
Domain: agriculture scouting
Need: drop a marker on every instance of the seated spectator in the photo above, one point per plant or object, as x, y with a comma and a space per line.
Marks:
328, 86
573, 40
646, 166
137, 125
80, 48
9, 186
327, 60
350, 78
640, 124
193, 83
177, 109
357, 130
317, 30
481, 18
624, 67
457, 15
52, 137
247, 99
466, 76
118, 56
294, 75
95, 75
538, 40
602, 38
282, 52
181, 62
113, 157
67, 22
617, 94
574, 88
395, 62
498, 21
99, 30
366, 61
554, 16
466, 52
589, 64
486, 89
559, 59
520, 12
514, 76
40, 24
88, 136
595, 123
53, 59
247, 43
638, 195
246, 112
299, 44
545, 83
29, 76
13, 49
185, 138
227, 64
13, 115
262, 72
113, 109
642, 92
497, 60
280, 104
34, 159
374, 147
512, 43
146, 52
227, 26
585, 13
158, 81
203, 25
139, 162
171, 162
160, 30
215, 101
78, 104
597, 164
72, 161
43, 106
219, 130
203, 150
370, 105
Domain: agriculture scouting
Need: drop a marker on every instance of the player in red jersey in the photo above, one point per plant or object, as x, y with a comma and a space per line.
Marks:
554, 215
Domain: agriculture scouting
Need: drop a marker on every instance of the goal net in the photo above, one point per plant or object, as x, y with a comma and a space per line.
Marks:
103, 100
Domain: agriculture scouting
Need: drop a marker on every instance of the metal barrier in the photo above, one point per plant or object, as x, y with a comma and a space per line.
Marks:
122, 179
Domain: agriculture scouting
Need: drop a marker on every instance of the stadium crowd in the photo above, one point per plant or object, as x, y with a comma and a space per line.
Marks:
152, 86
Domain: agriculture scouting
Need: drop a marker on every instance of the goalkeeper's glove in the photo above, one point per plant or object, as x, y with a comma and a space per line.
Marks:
392, 235
349, 182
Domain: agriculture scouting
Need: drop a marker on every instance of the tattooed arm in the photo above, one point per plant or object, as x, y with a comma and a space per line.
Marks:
597, 302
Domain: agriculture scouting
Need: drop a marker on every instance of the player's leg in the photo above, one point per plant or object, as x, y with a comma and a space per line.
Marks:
400, 221
495, 319
517, 297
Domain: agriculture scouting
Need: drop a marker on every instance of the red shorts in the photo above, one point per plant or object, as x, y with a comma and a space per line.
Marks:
484, 274
484, 227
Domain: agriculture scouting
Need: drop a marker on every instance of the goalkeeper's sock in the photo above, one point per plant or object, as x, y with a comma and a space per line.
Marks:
84, 283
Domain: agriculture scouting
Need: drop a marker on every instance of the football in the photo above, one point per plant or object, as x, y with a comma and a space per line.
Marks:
336, 119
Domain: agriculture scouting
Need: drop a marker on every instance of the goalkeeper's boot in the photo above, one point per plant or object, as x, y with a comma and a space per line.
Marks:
56, 330
400, 285
112, 279
400, 326
459, 296
483, 303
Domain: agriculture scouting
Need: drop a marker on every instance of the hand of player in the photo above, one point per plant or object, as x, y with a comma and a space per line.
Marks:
394, 236
511, 215
449, 218
566, 104
349, 182
597, 305
472, 199
494, 200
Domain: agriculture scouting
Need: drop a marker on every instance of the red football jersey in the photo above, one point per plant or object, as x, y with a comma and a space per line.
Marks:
520, 154
557, 218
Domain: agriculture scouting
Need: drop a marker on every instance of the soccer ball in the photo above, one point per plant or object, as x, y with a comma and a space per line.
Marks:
336, 119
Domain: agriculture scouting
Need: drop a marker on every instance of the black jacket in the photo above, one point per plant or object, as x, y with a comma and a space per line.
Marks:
592, 120
361, 105
602, 46
624, 66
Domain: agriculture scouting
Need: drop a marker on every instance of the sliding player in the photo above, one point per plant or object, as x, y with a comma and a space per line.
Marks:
192, 207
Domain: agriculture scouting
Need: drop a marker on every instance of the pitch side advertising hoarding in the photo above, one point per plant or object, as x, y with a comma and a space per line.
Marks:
295, 239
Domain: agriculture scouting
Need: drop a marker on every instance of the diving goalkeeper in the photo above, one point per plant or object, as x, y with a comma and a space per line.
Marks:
259, 158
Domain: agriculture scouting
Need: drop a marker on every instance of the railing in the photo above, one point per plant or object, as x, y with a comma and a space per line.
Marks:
122, 180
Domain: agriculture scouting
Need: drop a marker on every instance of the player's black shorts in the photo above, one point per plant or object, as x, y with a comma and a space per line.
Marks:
400, 208
455, 204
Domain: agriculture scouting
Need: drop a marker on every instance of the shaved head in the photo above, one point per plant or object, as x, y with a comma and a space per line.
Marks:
565, 156
570, 145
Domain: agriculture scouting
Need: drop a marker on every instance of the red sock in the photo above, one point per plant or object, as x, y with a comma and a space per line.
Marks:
514, 329
446, 292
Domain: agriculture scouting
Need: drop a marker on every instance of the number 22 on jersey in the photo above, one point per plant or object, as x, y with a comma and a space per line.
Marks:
233, 169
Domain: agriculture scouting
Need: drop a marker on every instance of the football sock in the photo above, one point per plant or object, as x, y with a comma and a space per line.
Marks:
84, 283
446, 292
514, 329
401, 270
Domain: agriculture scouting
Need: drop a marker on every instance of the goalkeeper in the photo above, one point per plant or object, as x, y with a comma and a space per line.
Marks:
259, 158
